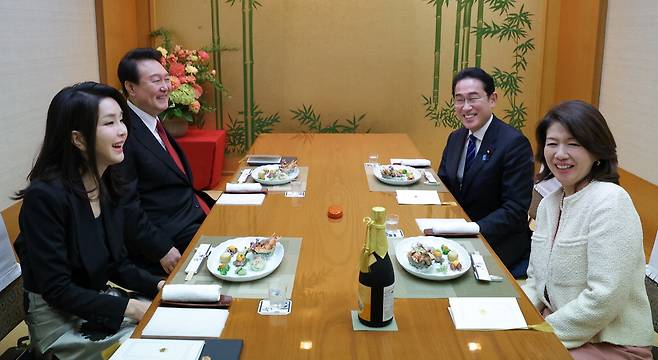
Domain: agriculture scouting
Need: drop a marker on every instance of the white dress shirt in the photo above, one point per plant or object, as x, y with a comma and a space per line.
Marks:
148, 120
479, 135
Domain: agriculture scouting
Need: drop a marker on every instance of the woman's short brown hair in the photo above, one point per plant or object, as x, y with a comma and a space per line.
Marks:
589, 128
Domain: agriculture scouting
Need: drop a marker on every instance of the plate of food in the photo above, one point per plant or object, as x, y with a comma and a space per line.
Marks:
396, 174
432, 258
245, 258
276, 174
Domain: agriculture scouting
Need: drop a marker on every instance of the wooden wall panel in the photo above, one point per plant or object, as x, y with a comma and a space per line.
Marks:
121, 25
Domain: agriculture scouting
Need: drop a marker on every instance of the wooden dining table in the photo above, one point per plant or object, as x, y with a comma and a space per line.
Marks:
325, 285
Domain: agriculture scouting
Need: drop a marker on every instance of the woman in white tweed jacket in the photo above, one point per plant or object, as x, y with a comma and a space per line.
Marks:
587, 263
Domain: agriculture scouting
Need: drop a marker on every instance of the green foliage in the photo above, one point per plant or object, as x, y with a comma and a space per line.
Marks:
306, 116
516, 115
441, 115
501, 6
514, 27
236, 131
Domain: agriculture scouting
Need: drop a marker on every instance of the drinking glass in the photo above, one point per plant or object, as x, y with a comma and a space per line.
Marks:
373, 159
276, 294
392, 221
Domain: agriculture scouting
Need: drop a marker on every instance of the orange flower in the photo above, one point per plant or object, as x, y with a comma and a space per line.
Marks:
175, 82
195, 106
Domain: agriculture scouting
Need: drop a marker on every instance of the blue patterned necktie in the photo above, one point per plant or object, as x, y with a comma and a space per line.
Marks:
470, 152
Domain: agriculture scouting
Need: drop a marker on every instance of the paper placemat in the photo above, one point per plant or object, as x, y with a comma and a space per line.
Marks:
410, 286
256, 289
376, 185
357, 326
299, 184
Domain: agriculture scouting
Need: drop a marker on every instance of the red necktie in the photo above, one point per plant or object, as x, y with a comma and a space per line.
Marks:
174, 155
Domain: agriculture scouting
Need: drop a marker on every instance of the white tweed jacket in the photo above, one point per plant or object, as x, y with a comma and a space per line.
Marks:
594, 270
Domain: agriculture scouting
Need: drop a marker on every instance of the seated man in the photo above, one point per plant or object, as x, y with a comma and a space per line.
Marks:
488, 167
166, 209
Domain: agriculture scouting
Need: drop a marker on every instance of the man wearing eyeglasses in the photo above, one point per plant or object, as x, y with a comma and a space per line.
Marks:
488, 167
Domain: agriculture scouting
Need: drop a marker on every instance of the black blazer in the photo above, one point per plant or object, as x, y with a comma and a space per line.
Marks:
58, 248
159, 197
497, 188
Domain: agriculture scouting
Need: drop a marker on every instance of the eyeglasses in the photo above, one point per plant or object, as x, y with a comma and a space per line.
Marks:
460, 102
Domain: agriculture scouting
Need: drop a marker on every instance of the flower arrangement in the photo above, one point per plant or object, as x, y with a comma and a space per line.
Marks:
188, 70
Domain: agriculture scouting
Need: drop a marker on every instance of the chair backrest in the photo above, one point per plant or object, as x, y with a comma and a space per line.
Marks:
11, 297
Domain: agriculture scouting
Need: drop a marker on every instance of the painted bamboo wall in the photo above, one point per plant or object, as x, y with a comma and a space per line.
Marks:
350, 58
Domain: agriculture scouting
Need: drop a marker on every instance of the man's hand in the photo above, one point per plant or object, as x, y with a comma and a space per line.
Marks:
170, 260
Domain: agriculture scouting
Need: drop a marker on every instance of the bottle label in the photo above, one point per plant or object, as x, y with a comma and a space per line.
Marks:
388, 302
364, 302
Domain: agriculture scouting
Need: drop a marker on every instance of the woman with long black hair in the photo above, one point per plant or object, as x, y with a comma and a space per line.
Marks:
71, 222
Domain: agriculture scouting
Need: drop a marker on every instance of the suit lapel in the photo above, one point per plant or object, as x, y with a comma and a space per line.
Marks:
453, 164
487, 148
146, 138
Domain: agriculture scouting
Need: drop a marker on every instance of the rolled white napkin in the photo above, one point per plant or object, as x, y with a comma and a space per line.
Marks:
244, 188
191, 293
412, 162
456, 228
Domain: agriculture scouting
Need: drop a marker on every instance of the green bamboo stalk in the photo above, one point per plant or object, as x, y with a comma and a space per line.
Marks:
217, 64
437, 51
245, 71
466, 33
455, 59
478, 40
251, 69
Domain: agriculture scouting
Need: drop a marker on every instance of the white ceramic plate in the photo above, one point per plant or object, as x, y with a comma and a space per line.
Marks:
377, 171
284, 180
241, 243
432, 273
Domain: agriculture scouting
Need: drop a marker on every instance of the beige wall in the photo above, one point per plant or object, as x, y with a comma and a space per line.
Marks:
346, 58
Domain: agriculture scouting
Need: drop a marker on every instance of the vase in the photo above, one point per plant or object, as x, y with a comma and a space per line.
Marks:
177, 127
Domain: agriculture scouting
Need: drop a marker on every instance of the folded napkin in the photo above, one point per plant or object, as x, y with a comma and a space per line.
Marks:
244, 188
412, 162
466, 228
241, 199
191, 293
447, 226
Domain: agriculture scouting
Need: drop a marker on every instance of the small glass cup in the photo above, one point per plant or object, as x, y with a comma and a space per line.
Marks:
276, 294
373, 159
392, 221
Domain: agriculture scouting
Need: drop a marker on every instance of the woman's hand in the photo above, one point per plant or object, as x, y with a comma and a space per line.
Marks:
136, 309
161, 283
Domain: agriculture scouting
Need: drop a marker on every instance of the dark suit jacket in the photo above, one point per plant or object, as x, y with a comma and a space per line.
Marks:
160, 198
497, 188
60, 258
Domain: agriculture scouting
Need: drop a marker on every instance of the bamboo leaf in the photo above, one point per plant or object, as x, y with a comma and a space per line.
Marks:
501, 6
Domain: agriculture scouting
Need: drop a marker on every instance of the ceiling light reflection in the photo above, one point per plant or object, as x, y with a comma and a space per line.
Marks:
306, 345
473, 346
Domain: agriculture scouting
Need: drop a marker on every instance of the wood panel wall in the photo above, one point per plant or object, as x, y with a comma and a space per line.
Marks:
121, 25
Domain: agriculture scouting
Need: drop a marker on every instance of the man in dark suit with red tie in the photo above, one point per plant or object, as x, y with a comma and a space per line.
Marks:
166, 209
488, 167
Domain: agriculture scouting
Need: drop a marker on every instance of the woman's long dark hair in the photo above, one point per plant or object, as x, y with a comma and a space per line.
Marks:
589, 128
75, 108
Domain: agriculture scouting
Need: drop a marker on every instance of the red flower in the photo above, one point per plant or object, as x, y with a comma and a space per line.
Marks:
177, 69
203, 56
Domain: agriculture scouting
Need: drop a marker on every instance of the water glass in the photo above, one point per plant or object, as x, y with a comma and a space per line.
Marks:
373, 159
392, 221
276, 294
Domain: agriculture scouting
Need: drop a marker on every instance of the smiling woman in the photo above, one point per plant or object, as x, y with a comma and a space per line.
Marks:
71, 240
586, 271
